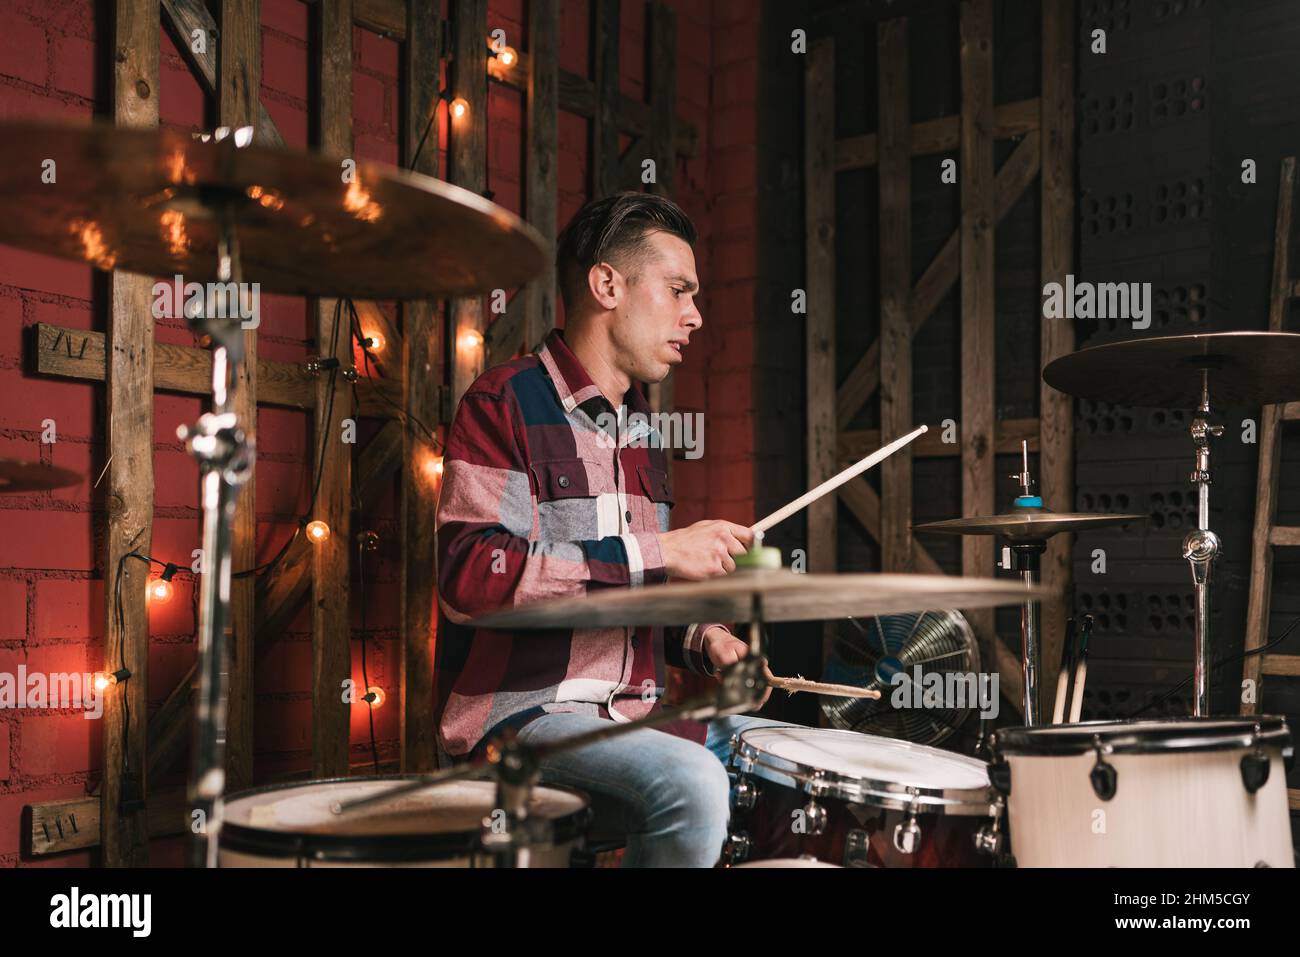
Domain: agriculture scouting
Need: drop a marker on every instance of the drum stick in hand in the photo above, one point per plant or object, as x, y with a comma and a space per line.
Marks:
818, 687
831, 484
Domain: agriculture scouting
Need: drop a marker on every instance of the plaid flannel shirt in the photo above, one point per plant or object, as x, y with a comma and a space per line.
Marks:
537, 502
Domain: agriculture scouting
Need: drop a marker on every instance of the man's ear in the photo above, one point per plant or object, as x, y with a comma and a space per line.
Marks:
605, 284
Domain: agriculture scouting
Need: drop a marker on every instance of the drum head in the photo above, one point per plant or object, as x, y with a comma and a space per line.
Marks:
443, 821
865, 768
1145, 736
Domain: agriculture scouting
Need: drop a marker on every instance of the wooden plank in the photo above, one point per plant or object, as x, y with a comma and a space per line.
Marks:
331, 558
1287, 536
1291, 411
863, 502
1056, 409
79, 354
1280, 664
604, 123
541, 177
819, 180
977, 334
423, 363
895, 292
1013, 179
53, 827
130, 491
279, 594
387, 17
1264, 535
940, 135
468, 168
853, 445
239, 75
1293, 798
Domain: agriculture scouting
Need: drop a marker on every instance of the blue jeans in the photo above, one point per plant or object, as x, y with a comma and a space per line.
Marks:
666, 796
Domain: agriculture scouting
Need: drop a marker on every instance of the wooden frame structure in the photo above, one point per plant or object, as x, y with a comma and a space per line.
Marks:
1045, 128
411, 366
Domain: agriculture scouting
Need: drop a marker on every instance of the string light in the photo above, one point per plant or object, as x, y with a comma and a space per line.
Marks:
470, 339
106, 679
373, 341
433, 465
318, 531
160, 589
375, 695
507, 56
459, 107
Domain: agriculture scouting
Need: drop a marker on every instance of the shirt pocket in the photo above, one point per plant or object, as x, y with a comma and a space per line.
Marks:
653, 504
558, 479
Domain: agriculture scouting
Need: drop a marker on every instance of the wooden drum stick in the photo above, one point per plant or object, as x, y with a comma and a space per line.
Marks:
817, 687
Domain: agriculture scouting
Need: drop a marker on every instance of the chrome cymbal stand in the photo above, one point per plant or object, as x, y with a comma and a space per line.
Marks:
1023, 557
1201, 546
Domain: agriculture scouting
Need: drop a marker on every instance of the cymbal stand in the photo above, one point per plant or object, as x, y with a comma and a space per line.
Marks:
1023, 556
1201, 546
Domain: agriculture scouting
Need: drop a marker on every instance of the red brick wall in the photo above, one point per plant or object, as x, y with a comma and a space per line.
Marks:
51, 544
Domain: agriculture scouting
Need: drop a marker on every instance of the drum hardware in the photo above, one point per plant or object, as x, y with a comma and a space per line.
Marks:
1254, 766
907, 833
814, 816
737, 848
1026, 527
990, 839
1000, 776
744, 794
1104, 777
857, 846
1249, 368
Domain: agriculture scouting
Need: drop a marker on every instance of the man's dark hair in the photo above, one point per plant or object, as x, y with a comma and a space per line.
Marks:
614, 228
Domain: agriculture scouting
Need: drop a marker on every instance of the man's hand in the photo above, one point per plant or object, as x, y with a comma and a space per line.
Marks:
724, 648
703, 550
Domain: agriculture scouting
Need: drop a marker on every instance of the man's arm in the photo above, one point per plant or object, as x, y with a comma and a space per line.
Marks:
486, 513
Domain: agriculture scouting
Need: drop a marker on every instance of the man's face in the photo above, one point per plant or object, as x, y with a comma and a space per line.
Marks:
656, 314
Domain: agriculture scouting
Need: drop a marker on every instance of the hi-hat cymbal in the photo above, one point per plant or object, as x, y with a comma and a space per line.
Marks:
1245, 369
19, 476
1026, 526
142, 200
784, 596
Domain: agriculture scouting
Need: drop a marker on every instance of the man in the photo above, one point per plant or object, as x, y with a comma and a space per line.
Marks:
553, 485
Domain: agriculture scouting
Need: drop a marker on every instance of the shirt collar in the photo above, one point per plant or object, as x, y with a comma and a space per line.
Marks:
573, 386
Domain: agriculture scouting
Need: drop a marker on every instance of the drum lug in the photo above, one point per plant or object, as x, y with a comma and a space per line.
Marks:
737, 848
744, 795
1254, 770
989, 838
857, 848
1104, 777
907, 834
814, 817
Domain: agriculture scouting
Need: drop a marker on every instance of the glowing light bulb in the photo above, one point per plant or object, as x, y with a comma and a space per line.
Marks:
471, 339
375, 695
317, 531
434, 466
374, 341
459, 107
159, 590
103, 680
507, 56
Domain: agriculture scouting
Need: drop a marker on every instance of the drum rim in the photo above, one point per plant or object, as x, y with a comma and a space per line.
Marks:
892, 795
1044, 740
250, 839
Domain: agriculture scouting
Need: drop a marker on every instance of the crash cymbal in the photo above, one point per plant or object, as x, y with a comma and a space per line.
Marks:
1245, 369
1029, 526
19, 476
784, 595
143, 200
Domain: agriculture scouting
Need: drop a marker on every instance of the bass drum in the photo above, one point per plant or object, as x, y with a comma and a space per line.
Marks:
292, 825
1176, 792
856, 800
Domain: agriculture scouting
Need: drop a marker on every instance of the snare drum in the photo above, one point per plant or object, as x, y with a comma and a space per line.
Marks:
1174, 792
292, 825
859, 801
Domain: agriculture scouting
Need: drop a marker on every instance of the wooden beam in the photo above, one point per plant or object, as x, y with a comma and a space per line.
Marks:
1012, 180
239, 75
541, 176
895, 292
387, 17
1264, 534
1056, 409
1280, 665
279, 594
72, 824
861, 499
331, 585
423, 364
940, 135
663, 101
79, 354
129, 498
577, 95
468, 166
819, 328
603, 162
853, 445
977, 333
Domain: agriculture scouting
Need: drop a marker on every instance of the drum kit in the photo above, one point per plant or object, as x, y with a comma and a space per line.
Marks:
215, 208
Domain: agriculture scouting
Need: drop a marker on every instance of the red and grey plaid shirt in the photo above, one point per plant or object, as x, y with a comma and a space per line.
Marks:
538, 502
